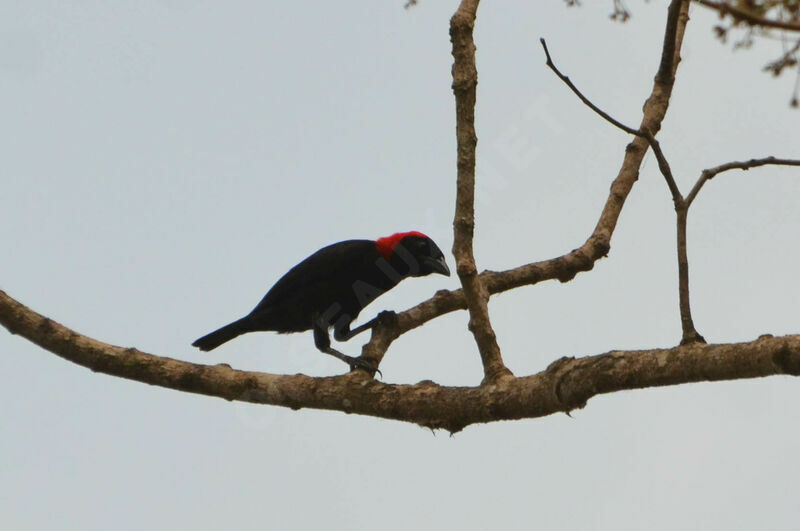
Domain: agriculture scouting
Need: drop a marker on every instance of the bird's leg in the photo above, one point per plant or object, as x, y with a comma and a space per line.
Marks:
344, 333
322, 341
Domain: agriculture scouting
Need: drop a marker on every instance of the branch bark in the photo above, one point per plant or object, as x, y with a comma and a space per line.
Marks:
565, 385
465, 81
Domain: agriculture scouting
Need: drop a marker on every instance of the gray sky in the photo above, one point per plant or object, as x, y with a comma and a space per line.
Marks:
165, 162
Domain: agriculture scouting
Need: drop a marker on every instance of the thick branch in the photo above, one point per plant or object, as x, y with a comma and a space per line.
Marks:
750, 18
565, 385
465, 80
677, 15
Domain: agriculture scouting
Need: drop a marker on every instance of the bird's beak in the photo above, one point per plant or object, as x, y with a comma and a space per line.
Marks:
438, 265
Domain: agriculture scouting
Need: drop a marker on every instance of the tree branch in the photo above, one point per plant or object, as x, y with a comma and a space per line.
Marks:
710, 173
465, 81
677, 17
666, 171
789, 58
752, 19
597, 245
584, 99
689, 333
665, 75
565, 385
663, 165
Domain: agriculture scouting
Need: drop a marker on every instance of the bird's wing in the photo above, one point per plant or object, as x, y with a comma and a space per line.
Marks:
334, 264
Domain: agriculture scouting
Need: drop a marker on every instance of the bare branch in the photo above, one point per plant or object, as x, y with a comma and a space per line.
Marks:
565, 385
666, 171
565, 267
663, 165
677, 15
788, 59
665, 76
584, 99
465, 81
750, 18
689, 333
710, 173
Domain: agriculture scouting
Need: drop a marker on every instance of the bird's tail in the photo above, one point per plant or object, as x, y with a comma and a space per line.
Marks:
223, 335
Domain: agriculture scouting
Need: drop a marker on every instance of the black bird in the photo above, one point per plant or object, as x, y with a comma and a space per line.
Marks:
329, 289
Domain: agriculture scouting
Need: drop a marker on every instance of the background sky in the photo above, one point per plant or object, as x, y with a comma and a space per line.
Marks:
164, 162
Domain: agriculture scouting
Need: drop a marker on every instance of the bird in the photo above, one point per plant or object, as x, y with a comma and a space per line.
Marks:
331, 287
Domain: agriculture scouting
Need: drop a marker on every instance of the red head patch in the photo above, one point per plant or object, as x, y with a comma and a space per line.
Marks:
387, 244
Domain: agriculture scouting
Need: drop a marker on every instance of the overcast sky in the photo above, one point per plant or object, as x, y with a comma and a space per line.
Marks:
163, 163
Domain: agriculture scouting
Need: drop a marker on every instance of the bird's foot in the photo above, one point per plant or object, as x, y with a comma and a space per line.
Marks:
387, 317
363, 363
355, 363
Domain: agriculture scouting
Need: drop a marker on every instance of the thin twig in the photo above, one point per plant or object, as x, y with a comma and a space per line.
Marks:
666, 171
666, 77
788, 59
584, 99
710, 173
663, 165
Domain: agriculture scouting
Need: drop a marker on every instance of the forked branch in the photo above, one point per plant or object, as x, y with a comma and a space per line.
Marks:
465, 81
665, 75
565, 385
565, 267
689, 331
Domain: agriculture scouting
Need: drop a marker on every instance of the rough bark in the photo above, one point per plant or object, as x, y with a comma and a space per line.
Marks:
465, 82
565, 385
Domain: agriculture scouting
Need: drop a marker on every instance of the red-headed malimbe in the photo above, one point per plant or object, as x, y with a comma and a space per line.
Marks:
331, 287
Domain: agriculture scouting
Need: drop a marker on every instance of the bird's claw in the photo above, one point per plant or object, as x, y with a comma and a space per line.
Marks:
365, 364
387, 317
